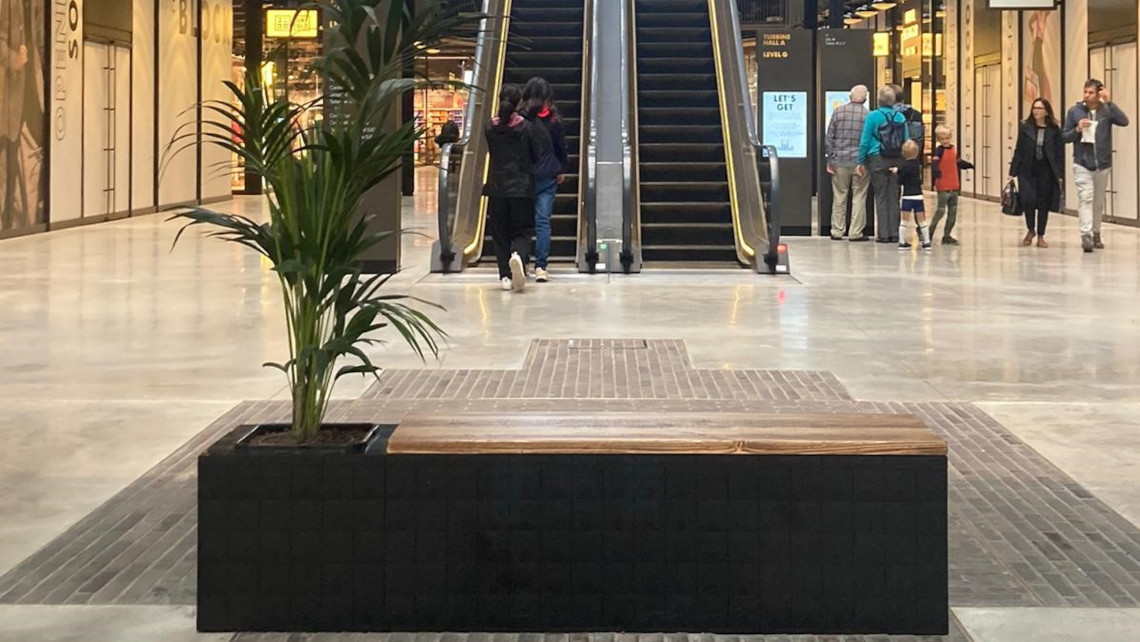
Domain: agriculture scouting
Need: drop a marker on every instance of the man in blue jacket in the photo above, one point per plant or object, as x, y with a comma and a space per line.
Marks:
1088, 126
880, 150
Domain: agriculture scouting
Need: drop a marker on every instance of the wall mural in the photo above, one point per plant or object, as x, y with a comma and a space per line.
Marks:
1041, 57
22, 119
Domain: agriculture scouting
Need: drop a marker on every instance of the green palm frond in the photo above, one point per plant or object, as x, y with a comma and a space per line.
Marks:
315, 179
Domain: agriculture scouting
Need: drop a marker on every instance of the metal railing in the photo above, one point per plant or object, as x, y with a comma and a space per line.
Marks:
460, 207
766, 152
631, 173
743, 149
588, 145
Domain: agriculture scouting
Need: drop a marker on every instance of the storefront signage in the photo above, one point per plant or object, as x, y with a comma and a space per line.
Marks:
786, 122
881, 44
291, 23
912, 45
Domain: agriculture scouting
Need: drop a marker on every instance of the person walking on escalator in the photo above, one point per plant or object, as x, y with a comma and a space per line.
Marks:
549, 172
516, 145
1038, 167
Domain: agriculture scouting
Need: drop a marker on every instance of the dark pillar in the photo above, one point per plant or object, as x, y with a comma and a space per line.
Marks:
254, 37
811, 14
836, 9
408, 112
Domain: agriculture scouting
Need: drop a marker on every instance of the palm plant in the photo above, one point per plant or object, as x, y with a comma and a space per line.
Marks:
316, 178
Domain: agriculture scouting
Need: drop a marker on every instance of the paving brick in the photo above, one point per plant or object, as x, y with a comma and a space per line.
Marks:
1021, 532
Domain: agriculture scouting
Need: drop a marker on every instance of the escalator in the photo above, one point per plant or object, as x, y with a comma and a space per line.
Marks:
546, 40
665, 162
686, 211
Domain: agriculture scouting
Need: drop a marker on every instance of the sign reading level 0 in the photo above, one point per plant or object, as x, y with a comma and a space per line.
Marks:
785, 117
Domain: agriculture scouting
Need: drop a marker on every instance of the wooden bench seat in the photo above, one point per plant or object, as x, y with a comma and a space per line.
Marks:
476, 433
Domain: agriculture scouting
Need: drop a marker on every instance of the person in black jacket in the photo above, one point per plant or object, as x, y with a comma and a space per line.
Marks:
913, 202
538, 101
1037, 165
515, 146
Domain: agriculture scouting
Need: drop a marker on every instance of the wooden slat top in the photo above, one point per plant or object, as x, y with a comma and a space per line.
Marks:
548, 433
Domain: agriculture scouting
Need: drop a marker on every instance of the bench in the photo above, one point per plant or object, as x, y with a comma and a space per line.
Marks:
572, 522
685, 521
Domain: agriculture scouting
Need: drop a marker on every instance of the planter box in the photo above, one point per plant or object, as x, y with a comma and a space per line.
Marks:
571, 542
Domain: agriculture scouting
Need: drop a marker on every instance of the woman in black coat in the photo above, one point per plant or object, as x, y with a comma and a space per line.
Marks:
1038, 166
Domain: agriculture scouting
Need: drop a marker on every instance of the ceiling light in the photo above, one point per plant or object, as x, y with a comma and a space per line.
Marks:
433, 51
883, 5
850, 19
866, 12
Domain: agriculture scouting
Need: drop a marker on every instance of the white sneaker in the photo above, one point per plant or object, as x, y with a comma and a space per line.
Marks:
518, 272
541, 275
506, 283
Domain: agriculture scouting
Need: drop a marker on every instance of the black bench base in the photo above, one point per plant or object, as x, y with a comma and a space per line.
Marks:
698, 543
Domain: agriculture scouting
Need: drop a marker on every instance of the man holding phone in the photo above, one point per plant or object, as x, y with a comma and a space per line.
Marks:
1088, 126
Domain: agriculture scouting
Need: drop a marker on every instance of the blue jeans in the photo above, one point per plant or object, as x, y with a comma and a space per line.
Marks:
544, 191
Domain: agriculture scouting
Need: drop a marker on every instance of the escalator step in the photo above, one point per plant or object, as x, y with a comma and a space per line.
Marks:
678, 99
674, 34
684, 171
676, 82
674, 50
684, 193
660, 234
667, 116
676, 152
680, 134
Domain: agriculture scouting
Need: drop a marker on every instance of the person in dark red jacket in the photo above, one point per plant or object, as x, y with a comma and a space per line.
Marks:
947, 183
539, 108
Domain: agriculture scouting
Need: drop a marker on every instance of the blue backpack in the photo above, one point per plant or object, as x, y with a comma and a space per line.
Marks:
892, 134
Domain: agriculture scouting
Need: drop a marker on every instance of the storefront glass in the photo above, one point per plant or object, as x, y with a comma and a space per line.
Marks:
23, 176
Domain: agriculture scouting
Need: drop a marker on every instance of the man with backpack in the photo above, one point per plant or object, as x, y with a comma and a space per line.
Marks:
880, 151
915, 128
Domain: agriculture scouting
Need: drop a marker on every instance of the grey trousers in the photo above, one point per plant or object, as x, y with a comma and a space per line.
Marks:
886, 186
1091, 189
845, 182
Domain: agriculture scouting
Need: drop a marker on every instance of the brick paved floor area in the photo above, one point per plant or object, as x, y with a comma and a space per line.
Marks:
1022, 533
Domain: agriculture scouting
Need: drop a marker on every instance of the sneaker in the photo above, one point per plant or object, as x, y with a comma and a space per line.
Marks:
518, 272
894, 239
859, 239
506, 283
884, 240
1087, 243
1097, 242
904, 246
949, 240
541, 275
928, 246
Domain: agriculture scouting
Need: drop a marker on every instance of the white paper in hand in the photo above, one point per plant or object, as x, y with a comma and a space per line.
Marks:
1089, 134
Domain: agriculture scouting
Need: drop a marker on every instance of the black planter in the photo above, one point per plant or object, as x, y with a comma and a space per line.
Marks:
335, 541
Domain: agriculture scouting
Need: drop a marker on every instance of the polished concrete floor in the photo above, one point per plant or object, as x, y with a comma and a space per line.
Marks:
117, 349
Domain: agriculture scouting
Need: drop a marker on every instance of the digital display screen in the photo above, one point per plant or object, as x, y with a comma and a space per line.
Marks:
785, 118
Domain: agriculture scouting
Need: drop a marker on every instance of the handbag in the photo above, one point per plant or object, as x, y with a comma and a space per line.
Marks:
1010, 201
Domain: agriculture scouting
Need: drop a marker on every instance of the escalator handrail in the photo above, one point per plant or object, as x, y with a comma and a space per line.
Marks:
629, 156
484, 39
773, 253
443, 196
768, 151
588, 145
